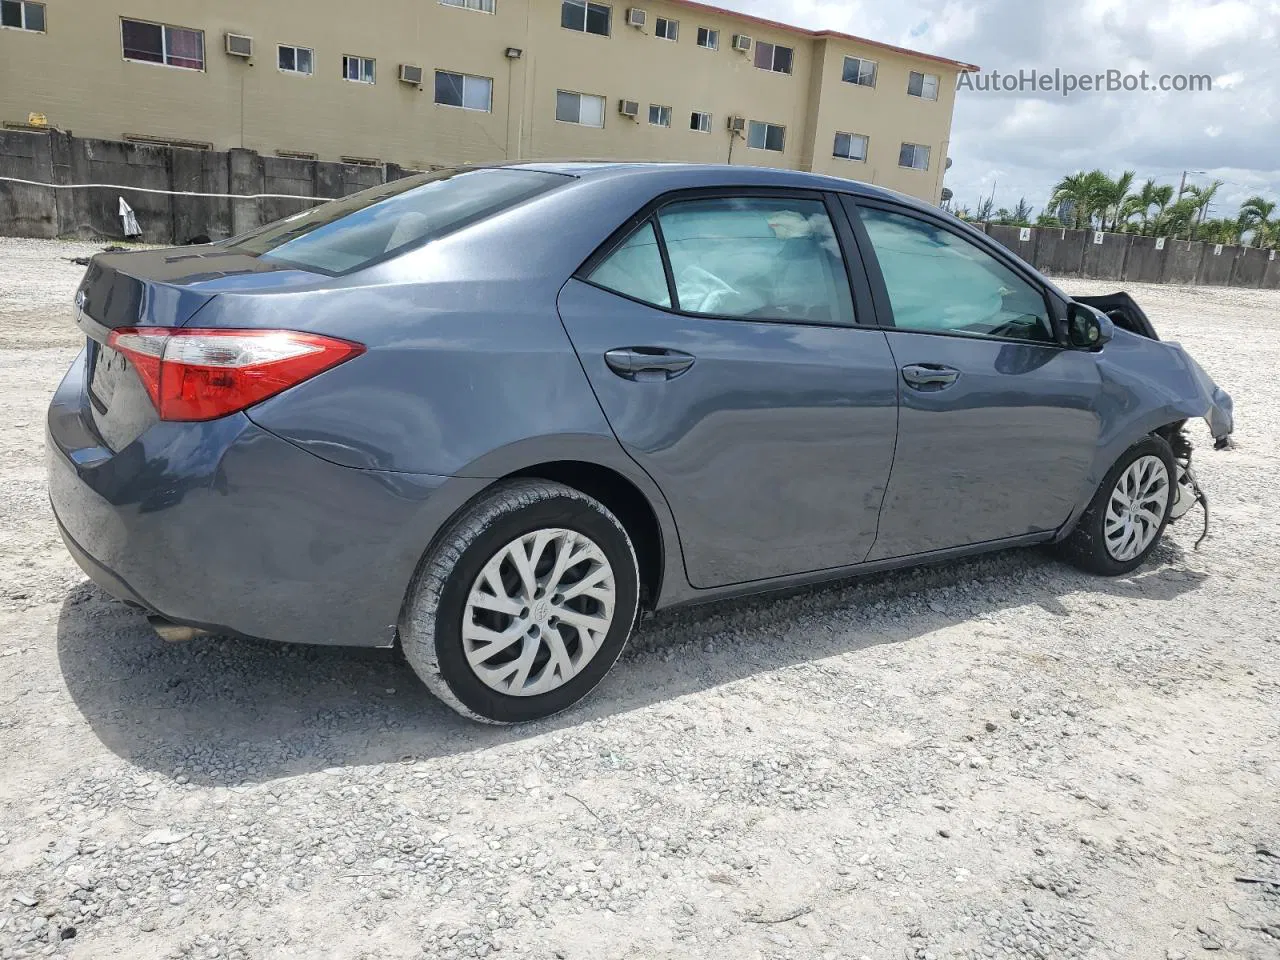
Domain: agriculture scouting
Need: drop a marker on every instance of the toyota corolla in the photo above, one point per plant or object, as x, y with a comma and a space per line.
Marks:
493, 415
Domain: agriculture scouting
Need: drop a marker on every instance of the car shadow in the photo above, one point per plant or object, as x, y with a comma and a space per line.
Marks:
226, 712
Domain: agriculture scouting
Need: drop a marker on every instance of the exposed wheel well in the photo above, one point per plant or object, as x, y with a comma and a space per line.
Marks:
628, 504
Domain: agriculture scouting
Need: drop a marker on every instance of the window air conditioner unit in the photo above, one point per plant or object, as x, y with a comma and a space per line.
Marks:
629, 108
636, 17
737, 125
239, 45
741, 42
410, 74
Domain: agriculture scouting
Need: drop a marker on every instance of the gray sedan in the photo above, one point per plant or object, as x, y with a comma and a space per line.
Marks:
496, 414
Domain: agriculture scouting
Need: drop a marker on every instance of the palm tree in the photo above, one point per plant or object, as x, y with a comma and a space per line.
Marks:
1176, 218
1203, 196
986, 207
1140, 204
1256, 213
1022, 212
1110, 195
1074, 197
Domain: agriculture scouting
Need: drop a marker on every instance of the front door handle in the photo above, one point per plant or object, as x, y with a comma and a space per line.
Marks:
929, 376
648, 363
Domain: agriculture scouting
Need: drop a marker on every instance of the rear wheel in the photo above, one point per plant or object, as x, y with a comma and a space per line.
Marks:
524, 604
1128, 514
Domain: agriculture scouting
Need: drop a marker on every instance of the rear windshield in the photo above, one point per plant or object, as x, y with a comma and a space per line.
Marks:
348, 234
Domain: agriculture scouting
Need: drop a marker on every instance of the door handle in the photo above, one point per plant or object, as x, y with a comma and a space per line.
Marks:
648, 363
929, 376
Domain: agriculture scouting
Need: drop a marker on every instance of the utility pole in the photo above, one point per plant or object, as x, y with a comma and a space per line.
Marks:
1182, 185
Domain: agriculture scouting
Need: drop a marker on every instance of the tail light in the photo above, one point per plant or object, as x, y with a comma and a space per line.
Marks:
206, 374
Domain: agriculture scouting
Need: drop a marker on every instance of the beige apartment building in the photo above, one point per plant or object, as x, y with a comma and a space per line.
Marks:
429, 83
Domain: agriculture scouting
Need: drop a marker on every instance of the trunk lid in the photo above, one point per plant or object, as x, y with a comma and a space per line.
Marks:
155, 288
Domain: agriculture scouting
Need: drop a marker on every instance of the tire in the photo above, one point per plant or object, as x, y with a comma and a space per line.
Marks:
1088, 545
535, 520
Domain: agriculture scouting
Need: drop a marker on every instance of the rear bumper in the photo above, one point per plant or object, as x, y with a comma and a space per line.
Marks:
226, 526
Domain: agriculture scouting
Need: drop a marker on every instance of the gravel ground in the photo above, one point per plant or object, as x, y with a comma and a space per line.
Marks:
995, 758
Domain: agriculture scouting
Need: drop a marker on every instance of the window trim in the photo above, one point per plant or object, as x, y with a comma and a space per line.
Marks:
578, 123
463, 6
709, 31
912, 166
861, 60
860, 290
45, 31
586, 9
465, 77
767, 124
164, 45
937, 85
882, 316
773, 59
670, 23
356, 56
701, 113
865, 138
295, 47
660, 107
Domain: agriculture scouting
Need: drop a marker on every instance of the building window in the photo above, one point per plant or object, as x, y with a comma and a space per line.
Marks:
859, 71
709, 38
358, 69
666, 29
659, 116
586, 17
295, 59
22, 15
463, 90
766, 136
915, 156
923, 85
581, 108
484, 6
700, 121
159, 43
850, 146
772, 56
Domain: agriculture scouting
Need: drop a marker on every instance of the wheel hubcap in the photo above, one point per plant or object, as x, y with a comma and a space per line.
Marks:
1136, 508
538, 612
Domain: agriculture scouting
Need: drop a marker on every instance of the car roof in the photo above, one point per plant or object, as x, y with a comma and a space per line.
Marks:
668, 176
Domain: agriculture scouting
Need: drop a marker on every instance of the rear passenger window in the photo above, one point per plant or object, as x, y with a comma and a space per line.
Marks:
635, 269
757, 258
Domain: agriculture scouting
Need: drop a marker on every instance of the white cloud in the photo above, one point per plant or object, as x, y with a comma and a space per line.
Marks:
1233, 131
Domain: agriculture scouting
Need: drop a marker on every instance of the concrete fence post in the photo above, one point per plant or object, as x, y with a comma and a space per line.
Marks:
247, 177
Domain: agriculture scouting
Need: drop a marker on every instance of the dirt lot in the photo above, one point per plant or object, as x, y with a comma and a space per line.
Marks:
992, 758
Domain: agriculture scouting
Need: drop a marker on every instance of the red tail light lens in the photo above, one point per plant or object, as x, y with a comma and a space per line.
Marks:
206, 374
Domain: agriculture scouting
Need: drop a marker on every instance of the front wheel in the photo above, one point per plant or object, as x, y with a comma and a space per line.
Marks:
524, 604
1127, 516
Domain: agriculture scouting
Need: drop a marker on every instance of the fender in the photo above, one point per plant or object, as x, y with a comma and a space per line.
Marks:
1147, 384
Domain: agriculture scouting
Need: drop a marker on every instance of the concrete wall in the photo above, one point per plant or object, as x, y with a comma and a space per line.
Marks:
166, 217
76, 74
1105, 260
1145, 263
1059, 251
1182, 261
1125, 257
1271, 279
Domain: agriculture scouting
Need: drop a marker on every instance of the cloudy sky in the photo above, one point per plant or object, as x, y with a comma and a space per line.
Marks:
1022, 143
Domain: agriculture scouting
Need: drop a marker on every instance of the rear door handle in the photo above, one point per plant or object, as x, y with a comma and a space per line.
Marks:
648, 363
929, 376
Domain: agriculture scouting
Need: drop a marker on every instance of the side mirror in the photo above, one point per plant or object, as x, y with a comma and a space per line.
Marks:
1087, 328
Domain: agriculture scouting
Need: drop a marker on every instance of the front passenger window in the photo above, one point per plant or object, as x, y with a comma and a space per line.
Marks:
939, 282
